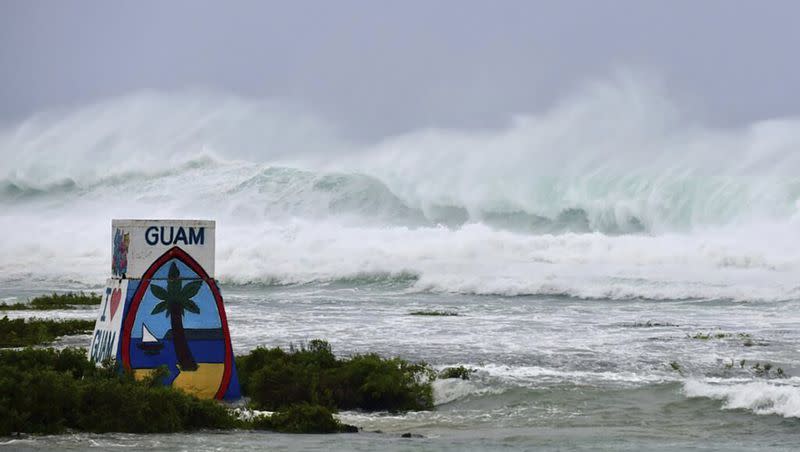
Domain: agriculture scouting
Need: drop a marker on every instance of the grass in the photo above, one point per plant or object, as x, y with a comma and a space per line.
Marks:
275, 379
435, 313
54, 301
22, 332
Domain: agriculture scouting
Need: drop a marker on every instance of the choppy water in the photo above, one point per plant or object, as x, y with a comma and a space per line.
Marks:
556, 238
551, 372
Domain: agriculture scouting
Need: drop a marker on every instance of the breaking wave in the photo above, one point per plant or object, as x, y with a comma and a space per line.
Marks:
758, 397
613, 192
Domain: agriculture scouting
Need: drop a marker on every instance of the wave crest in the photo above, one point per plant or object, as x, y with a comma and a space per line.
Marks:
616, 157
758, 397
613, 192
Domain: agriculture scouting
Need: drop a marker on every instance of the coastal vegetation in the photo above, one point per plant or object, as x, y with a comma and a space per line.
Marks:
302, 418
746, 338
24, 332
757, 369
456, 372
52, 391
275, 379
435, 313
49, 391
54, 301
760, 369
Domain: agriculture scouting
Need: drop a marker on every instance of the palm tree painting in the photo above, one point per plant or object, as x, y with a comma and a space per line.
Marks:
175, 300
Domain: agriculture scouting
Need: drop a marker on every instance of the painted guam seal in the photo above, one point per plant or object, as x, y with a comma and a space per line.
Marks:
176, 319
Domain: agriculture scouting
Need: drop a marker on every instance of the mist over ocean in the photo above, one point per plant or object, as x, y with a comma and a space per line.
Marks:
609, 194
584, 249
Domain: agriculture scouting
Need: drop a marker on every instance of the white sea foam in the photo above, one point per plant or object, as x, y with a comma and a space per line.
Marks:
471, 259
496, 378
612, 193
451, 389
249, 414
536, 375
759, 397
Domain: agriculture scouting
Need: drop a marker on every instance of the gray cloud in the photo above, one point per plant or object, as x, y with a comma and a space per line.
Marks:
386, 67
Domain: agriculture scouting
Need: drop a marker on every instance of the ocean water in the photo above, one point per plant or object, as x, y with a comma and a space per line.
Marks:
584, 249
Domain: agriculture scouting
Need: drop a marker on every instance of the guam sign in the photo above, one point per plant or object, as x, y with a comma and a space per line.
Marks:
106, 332
168, 310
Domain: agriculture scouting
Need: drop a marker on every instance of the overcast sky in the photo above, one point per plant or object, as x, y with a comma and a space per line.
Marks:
381, 67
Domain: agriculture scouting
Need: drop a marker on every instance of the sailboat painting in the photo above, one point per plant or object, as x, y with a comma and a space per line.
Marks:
149, 344
176, 320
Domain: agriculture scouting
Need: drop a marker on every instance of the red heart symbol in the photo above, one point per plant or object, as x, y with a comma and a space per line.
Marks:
115, 297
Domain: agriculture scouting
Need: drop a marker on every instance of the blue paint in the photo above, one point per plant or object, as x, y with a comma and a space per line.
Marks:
197, 236
102, 344
133, 286
159, 323
105, 304
234, 392
204, 333
180, 236
170, 235
186, 272
204, 351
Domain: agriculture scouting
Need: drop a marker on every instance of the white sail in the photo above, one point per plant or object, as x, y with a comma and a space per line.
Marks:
147, 336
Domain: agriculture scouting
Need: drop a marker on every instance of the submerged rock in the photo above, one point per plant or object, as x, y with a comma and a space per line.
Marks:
411, 435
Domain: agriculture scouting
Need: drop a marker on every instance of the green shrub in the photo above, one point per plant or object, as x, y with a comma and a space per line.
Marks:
65, 300
48, 391
456, 372
125, 405
275, 379
302, 418
71, 361
21, 332
55, 301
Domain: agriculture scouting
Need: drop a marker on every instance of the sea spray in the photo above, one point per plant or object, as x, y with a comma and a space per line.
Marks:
613, 192
758, 396
619, 151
